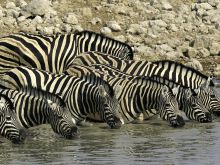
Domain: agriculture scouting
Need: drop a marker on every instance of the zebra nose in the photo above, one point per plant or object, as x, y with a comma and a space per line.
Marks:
22, 135
180, 121
208, 117
73, 133
216, 113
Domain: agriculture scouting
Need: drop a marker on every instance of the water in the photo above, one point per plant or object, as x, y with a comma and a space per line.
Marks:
151, 143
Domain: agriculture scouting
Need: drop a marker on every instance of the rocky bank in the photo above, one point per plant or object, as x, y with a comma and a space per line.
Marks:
182, 30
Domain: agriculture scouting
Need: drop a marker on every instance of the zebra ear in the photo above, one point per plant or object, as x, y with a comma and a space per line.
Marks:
165, 90
175, 90
102, 91
118, 90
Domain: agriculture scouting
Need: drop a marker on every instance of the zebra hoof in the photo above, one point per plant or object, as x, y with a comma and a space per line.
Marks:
19, 139
179, 122
207, 118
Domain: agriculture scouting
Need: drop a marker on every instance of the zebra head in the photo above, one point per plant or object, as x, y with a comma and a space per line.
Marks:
168, 107
9, 126
111, 105
60, 119
209, 97
194, 108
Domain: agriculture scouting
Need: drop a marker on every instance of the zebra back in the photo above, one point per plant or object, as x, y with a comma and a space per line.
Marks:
90, 41
179, 73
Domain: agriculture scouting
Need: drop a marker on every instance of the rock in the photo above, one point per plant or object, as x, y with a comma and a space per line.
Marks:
201, 12
1, 13
21, 19
37, 20
10, 21
159, 23
86, 12
10, 5
173, 55
136, 29
166, 6
12, 12
120, 38
166, 48
201, 42
37, 7
106, 31
194, 63
215, 48
77, 28
96, 20
66, 28
70, 18
213, 3
135, 40
145, 50
21, 3
30, 29
203, 52
173, 28
48, 30
205, 6
192, 52
121, 10
114, 26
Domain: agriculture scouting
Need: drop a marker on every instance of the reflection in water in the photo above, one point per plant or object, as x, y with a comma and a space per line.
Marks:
151, 143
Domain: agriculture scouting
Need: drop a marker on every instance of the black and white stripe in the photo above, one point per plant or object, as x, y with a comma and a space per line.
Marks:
173, 71
82, 96
138, 97
10, 127
35, 107
55, 53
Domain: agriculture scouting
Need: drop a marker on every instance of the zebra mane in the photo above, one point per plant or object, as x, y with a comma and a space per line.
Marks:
90, 33
38, 93
93, 77
163, 62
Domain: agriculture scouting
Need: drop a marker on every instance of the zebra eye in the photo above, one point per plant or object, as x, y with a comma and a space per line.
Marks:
8, 117
167, 105
212, 96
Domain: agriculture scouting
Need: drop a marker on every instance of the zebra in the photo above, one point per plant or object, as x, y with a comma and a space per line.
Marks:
136, 92
55, 53
173, 71
186, 97
82, 96
10, 128
104, 44
34, 107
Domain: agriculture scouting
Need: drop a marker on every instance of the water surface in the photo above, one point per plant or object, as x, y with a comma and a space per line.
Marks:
153, 142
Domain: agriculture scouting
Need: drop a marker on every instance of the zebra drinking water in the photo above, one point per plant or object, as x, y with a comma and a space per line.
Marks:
82, 96
173, 71
34, 107
10, 127
138, 97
